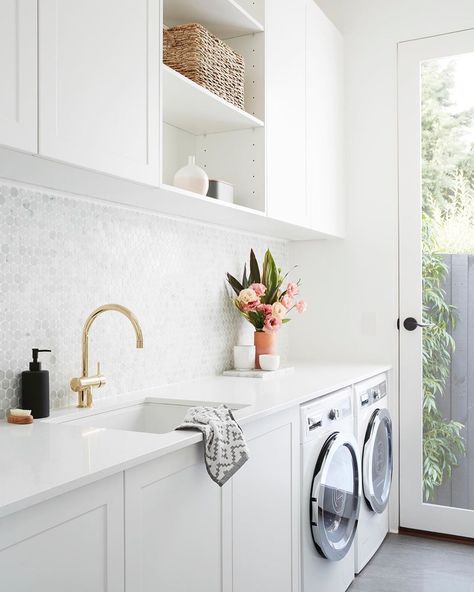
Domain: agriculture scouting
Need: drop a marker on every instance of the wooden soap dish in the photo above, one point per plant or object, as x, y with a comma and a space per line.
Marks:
20, 419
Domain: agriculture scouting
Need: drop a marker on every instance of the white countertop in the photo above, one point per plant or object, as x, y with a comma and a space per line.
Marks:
44, 459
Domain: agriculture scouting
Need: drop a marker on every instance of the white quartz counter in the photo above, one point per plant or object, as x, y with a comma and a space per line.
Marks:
44, 459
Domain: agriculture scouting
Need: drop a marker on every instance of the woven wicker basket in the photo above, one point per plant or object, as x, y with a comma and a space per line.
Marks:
197, 54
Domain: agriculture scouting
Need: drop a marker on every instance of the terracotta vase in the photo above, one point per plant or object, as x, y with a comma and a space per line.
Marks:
265, 343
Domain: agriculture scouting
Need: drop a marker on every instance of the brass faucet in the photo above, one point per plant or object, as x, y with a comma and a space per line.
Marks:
83, 386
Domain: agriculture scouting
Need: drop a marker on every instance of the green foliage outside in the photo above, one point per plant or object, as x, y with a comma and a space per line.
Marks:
448, 218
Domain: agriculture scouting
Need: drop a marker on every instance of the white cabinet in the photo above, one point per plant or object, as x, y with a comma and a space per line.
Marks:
304, 118
285, 56
173, 525
185, 533
99, 65
18, 67
265, 508
72, 542
165, 526
325, 123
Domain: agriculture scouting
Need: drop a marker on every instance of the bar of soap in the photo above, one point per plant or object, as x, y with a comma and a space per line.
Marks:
20, 412
20, 419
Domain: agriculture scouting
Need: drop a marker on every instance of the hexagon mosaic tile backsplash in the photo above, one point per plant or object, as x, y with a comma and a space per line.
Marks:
61, 256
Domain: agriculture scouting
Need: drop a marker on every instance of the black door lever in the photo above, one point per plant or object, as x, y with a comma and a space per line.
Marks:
411, 324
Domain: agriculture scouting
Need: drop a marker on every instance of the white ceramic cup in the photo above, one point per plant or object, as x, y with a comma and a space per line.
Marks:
269, 362
244, 357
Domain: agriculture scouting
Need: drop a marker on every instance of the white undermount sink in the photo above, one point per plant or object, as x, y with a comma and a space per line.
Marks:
145, 416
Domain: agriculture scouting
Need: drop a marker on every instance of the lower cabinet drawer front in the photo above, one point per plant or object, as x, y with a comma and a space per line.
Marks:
73, 542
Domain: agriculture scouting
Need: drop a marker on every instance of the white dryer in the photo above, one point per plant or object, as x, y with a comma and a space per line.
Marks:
374, 433
331, 493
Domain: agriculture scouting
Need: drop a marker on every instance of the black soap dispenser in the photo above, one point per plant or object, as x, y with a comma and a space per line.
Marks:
35, 388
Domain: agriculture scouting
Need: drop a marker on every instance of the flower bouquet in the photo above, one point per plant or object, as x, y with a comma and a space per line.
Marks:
264, 302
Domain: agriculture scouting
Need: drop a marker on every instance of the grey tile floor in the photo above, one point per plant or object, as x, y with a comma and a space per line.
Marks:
410, 564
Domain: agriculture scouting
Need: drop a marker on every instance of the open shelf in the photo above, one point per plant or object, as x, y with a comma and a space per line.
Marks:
180, 202
194, 109
224, 18
26, 168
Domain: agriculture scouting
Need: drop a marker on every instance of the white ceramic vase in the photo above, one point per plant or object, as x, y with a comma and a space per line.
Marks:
192, 178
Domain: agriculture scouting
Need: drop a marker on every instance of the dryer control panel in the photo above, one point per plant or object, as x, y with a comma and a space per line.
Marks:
373, 394
326, 413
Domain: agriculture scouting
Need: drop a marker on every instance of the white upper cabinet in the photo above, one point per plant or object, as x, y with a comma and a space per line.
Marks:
99, 65
285, 56
325, 123
83, 87
304, 119
18, 67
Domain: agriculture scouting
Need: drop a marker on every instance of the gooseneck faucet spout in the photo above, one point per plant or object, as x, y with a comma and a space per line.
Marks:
84, 385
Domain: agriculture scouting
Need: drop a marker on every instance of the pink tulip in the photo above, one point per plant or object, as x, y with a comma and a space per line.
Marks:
292, 289
259, 289
287, 301
301, 306
271, 325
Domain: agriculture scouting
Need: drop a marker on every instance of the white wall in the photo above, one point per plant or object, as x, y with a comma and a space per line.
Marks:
352, 285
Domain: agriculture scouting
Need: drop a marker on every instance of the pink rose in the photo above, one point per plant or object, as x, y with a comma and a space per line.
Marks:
287, 301
301, 306
292, 289
271, 325
250, 306
259, 289
265, 309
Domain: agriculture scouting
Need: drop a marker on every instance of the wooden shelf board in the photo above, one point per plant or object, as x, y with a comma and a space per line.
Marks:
224, 18
194, 109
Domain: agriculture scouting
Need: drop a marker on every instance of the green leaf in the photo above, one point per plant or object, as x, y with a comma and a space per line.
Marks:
245, 282
235, 284
270, 278
254, 269
257, 319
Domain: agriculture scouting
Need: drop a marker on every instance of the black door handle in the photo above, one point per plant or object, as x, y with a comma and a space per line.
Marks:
411, 324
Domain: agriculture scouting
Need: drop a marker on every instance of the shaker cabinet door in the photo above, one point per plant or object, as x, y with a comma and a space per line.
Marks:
264, 497
99, 85
324, 123
173, 517
18, 67
285, 110
72, 542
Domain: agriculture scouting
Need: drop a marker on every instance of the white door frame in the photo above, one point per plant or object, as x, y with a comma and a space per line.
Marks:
413, 512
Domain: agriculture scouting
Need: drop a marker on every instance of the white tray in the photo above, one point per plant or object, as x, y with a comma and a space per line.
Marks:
262, 374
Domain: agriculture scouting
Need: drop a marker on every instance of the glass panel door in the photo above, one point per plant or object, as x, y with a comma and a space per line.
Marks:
436, 127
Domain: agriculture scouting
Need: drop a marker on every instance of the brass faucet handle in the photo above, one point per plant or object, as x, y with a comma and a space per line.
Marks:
85, 382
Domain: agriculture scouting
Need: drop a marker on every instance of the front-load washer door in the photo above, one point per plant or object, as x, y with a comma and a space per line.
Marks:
335, 496
377, 460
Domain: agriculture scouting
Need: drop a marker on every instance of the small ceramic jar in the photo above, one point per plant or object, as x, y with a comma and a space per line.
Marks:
244, 357
269, 362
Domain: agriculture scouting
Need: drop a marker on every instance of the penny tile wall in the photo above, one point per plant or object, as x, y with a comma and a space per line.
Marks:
61, 256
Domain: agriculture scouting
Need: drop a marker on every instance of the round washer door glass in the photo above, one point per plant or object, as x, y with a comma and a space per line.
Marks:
378, 461
335, 497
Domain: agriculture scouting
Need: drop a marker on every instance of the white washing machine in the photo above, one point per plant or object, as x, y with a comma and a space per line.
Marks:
375, 437
331, 492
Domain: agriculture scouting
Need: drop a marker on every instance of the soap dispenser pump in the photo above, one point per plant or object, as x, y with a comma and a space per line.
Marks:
35, 387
